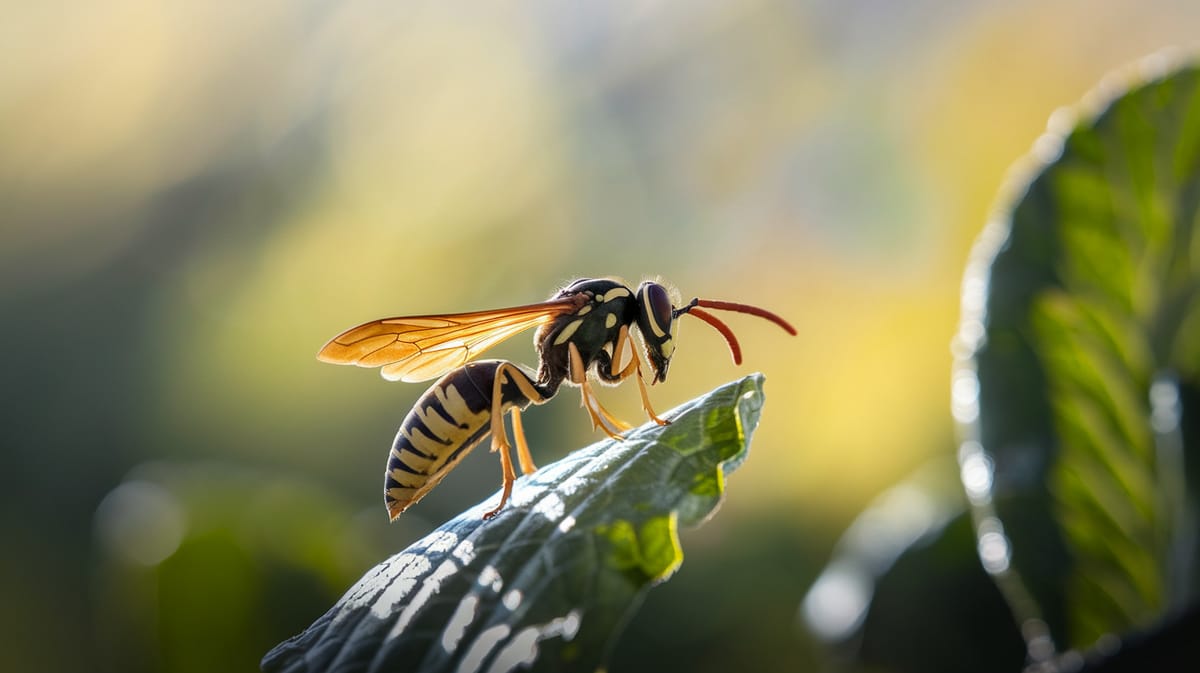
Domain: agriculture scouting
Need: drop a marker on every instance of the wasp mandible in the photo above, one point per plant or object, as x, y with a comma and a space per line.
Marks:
585, 328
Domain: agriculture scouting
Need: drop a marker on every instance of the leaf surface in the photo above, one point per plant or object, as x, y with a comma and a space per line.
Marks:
1091, 330
549, 581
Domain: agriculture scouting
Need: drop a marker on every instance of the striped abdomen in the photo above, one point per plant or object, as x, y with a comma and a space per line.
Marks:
449, 420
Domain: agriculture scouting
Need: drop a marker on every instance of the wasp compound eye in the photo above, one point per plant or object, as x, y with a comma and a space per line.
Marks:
656, 321
656, 305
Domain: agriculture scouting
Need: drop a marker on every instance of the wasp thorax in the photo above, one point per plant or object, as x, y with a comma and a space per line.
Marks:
656, 322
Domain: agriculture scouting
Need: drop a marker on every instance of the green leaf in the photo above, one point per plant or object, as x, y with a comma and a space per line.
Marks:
1092, 314
904, 575
550, 580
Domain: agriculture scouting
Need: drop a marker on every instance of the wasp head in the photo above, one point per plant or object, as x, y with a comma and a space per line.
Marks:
656, 321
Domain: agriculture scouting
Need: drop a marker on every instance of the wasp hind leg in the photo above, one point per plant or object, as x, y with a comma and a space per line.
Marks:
500, 436
506, 470
523, 455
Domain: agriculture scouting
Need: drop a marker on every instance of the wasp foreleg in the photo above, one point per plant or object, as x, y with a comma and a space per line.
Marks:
601, 418
635, 365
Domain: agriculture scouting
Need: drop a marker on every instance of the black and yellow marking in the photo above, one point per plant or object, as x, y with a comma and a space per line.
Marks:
450, 420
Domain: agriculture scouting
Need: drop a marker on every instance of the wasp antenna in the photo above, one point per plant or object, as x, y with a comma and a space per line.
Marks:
745, 308
734, 349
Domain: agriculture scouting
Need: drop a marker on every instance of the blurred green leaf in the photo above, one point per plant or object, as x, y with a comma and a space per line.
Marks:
170, 526
550, 580
976, 626
1094, 304
872, 603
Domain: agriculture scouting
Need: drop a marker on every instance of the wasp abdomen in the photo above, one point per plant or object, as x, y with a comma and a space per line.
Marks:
449, 420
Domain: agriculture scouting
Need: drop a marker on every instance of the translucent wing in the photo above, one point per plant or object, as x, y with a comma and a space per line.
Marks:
424, 347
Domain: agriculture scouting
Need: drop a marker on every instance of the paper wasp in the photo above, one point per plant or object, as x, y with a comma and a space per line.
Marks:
585, 327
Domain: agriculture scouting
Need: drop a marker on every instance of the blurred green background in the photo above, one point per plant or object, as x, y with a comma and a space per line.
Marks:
194, 196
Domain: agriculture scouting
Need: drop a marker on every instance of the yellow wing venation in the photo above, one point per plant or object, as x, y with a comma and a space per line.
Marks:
420, 348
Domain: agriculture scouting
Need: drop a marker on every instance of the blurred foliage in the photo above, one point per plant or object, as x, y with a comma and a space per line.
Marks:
1079, 352
280, 546
1092, 320
547, 583
904, 590
194, 196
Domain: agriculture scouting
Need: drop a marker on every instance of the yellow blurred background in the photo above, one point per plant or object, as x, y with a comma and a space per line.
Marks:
196, 195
